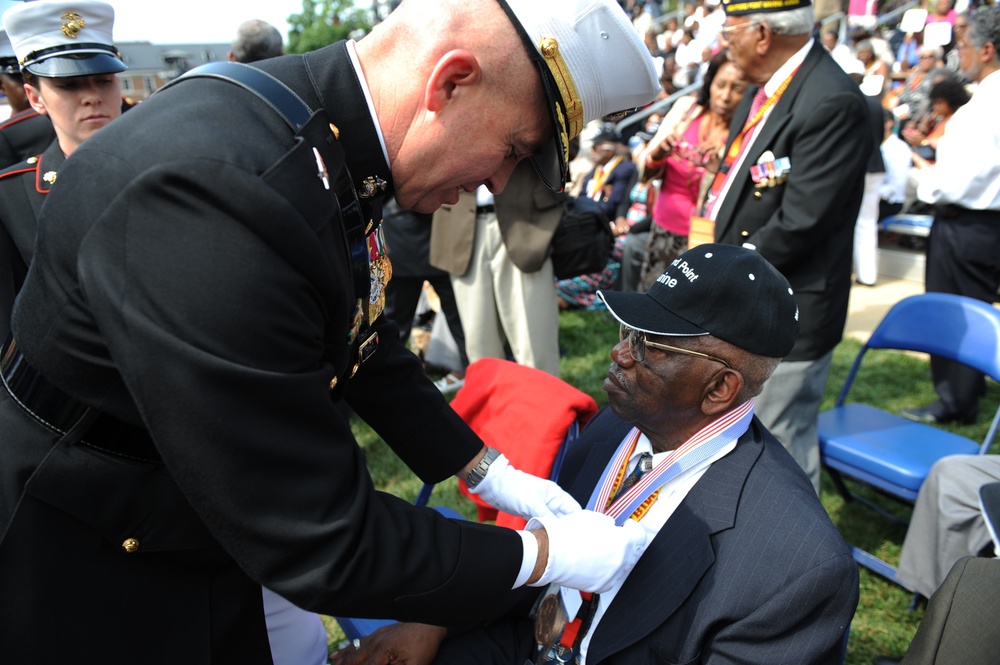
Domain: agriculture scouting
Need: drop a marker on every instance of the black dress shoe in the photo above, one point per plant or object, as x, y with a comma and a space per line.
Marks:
886, 660
926, 414
920, 414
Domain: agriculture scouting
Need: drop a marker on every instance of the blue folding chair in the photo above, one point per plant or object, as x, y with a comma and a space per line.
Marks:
891, 454
908, 225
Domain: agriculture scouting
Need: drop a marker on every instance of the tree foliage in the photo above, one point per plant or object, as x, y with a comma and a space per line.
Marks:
323, 22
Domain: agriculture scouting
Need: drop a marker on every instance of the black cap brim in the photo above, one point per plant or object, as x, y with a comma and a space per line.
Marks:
641, 312
65, 65
551, 165
9, 65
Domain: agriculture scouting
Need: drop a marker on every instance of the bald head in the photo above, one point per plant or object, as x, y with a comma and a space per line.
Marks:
447, 76
420, 32
521, 76
256, 40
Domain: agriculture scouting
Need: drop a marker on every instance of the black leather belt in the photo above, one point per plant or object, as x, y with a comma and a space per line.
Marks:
483, 210
59, 412
952, 211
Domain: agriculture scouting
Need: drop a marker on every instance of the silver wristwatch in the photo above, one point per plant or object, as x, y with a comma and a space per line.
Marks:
479, 471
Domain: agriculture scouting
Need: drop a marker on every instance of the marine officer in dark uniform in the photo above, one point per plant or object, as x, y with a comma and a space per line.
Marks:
206, 286
74, 94
26, 132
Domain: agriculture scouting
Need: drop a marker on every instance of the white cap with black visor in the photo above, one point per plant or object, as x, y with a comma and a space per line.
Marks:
56, 39
592, 64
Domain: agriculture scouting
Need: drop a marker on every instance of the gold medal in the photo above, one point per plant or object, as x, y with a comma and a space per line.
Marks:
550, 621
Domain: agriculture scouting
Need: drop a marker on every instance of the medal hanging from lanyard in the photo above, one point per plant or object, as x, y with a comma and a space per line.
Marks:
560, 638
699, 448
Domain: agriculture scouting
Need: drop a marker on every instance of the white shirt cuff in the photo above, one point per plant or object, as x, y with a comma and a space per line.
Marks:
529, 560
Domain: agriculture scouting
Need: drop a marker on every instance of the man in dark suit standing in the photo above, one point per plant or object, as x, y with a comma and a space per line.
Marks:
741, 562
791, 185
207, 286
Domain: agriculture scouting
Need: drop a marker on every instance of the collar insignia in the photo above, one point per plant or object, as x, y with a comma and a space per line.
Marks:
50, 177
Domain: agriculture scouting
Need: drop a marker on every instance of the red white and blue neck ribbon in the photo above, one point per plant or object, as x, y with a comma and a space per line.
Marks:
703, 445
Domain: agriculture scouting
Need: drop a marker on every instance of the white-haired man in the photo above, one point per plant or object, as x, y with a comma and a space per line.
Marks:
791, 184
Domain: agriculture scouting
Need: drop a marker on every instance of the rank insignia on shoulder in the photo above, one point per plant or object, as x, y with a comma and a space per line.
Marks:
371, 186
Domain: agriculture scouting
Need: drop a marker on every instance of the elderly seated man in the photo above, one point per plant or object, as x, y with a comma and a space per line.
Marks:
742, 564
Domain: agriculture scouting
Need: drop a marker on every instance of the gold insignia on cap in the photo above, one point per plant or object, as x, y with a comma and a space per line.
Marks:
74, 23
335, 130
130, 545
50, 177
572, 104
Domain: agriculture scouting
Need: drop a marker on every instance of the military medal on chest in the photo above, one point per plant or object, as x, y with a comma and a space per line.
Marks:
381, 271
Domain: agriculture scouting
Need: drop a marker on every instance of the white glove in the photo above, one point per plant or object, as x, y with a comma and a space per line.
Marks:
588, 552
519, 493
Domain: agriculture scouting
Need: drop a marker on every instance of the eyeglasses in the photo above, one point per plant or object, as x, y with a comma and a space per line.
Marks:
725, 31
637, 344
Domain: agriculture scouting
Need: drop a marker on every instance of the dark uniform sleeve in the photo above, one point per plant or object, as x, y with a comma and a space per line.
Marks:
219, 306
12, 272
392, 394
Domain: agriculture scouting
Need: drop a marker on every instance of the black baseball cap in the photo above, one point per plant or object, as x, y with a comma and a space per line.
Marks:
726, 291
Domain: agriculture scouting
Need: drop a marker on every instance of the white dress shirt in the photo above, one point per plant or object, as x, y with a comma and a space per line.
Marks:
967, 170
671, 494
897, 156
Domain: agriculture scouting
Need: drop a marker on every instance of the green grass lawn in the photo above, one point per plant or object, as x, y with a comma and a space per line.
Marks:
884, 624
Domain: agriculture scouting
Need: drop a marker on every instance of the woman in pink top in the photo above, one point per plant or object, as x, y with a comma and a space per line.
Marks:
686, 148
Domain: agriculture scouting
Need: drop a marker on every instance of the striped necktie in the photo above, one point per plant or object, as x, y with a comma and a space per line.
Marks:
644, 464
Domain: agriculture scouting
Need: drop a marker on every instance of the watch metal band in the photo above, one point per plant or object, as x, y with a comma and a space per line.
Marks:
479, 471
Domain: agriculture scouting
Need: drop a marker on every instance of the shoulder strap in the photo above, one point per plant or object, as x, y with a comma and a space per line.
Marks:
276, 94
296, 113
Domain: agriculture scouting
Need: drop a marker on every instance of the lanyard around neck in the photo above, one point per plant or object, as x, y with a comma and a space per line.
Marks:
702, 446
734, 149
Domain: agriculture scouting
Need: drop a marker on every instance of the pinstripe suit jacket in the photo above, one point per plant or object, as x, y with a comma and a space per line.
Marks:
749, 568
